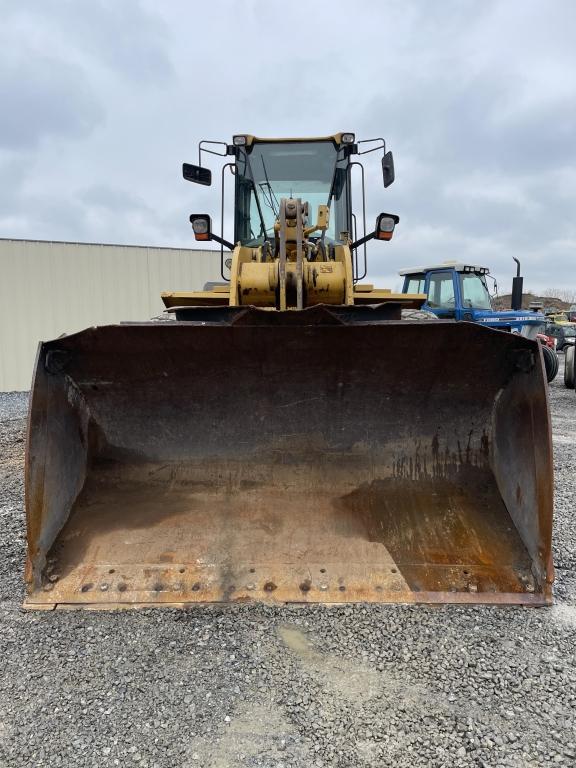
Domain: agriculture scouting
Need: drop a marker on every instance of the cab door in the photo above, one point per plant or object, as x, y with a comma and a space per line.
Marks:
442, 292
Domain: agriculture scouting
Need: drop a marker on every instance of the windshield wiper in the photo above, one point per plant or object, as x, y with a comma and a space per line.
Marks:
271, 196
262, 222
332, 191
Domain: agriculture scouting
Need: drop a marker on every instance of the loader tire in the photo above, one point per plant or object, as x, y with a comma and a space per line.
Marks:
551, 362
418, 314
569, 378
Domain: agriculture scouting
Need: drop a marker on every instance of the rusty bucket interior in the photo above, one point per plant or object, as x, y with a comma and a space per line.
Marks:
176, 463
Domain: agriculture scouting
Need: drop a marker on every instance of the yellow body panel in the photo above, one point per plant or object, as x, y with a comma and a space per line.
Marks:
195, 298
325, 283
218, 297
342, 254
257, 284
241, 255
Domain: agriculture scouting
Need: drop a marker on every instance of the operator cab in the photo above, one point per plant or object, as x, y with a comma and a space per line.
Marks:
309, 177
454, 290
314, 170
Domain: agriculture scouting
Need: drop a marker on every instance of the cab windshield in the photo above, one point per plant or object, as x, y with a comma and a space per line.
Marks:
314, 171
474, 291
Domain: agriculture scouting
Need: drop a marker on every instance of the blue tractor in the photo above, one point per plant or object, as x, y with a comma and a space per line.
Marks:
457, 291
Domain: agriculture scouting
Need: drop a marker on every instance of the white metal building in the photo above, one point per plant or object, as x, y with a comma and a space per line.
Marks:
50, 288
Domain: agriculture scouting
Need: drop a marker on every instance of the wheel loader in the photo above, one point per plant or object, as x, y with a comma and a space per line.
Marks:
293, 434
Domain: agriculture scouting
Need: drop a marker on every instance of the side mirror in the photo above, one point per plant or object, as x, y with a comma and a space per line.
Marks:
201, 226
388, 169
385, 224
197, 174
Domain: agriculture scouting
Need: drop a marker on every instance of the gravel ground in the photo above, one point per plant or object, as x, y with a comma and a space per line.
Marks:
340, 687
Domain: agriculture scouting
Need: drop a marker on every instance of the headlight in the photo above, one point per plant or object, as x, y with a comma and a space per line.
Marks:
387, 224
200, 226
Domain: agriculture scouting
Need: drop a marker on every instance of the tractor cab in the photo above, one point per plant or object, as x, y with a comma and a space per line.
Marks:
457, 291
454, 291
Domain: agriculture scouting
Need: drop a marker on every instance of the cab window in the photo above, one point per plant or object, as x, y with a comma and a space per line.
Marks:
441, 290
416, 284
474, 291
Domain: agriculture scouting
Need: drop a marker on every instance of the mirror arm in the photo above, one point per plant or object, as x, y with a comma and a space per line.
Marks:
203, 148
221, 241
381, 145
363, 240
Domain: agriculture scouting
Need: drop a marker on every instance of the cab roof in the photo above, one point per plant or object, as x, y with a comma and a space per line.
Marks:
335, 138
455, 265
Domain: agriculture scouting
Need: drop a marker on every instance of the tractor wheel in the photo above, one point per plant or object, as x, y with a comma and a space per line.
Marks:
569, 367
551, 363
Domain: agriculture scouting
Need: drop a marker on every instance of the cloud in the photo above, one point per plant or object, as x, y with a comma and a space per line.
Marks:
123, 38
42, 97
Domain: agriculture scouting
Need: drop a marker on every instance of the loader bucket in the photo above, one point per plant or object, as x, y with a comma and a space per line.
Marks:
293, 457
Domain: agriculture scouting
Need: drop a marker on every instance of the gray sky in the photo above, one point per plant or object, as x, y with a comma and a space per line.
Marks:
102, 100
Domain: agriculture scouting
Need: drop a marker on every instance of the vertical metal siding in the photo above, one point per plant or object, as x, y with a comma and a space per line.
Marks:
50, 288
